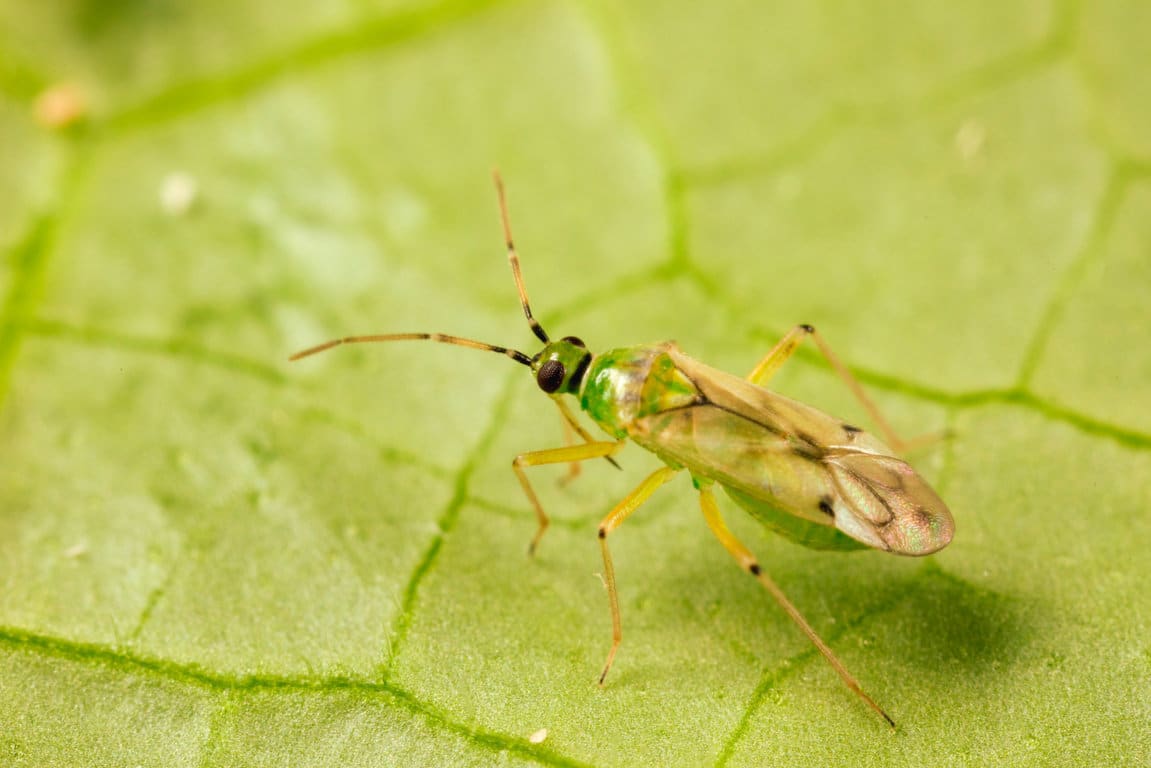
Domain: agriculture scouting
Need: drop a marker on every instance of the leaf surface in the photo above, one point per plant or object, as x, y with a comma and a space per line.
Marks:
211, 557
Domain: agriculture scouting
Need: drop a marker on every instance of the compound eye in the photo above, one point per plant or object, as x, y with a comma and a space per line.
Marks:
576, 340
550, 376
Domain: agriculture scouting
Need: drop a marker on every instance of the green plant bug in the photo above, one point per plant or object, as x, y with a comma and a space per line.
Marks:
809, 476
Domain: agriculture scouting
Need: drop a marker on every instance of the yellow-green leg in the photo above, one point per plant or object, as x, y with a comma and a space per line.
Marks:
569, 439
573, 453
572, 428
785, 348
748, 562
612, 521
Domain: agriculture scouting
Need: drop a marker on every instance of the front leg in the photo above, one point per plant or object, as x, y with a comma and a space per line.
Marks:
568, 454
572, 428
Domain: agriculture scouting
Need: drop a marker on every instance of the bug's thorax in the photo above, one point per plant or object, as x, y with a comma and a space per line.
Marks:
626, 384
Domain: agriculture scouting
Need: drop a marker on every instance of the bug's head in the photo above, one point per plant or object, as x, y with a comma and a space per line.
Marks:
560, 366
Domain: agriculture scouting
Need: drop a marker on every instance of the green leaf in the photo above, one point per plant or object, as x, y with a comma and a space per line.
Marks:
211, 557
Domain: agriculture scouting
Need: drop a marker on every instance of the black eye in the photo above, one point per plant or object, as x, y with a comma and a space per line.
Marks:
550, 376
574, 340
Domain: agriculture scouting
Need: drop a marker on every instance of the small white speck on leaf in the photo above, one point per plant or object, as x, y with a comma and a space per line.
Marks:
76, 550
970, 138
178, 193
539, 736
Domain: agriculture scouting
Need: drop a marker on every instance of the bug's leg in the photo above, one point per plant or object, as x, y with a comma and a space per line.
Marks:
785, 348
748, 562
569, 439
571, 453
572, 427
773, 360
612, 521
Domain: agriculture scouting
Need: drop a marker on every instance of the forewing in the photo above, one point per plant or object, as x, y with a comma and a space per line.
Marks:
803, 424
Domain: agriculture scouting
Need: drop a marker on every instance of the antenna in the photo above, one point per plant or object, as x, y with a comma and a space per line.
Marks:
442, 338
514, 260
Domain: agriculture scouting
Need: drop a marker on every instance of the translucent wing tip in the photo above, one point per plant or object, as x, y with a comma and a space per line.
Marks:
892, 502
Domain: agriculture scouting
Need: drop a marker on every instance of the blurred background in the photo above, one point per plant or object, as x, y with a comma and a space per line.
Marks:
210, 556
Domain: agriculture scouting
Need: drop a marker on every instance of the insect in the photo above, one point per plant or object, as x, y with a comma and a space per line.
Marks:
809, 476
